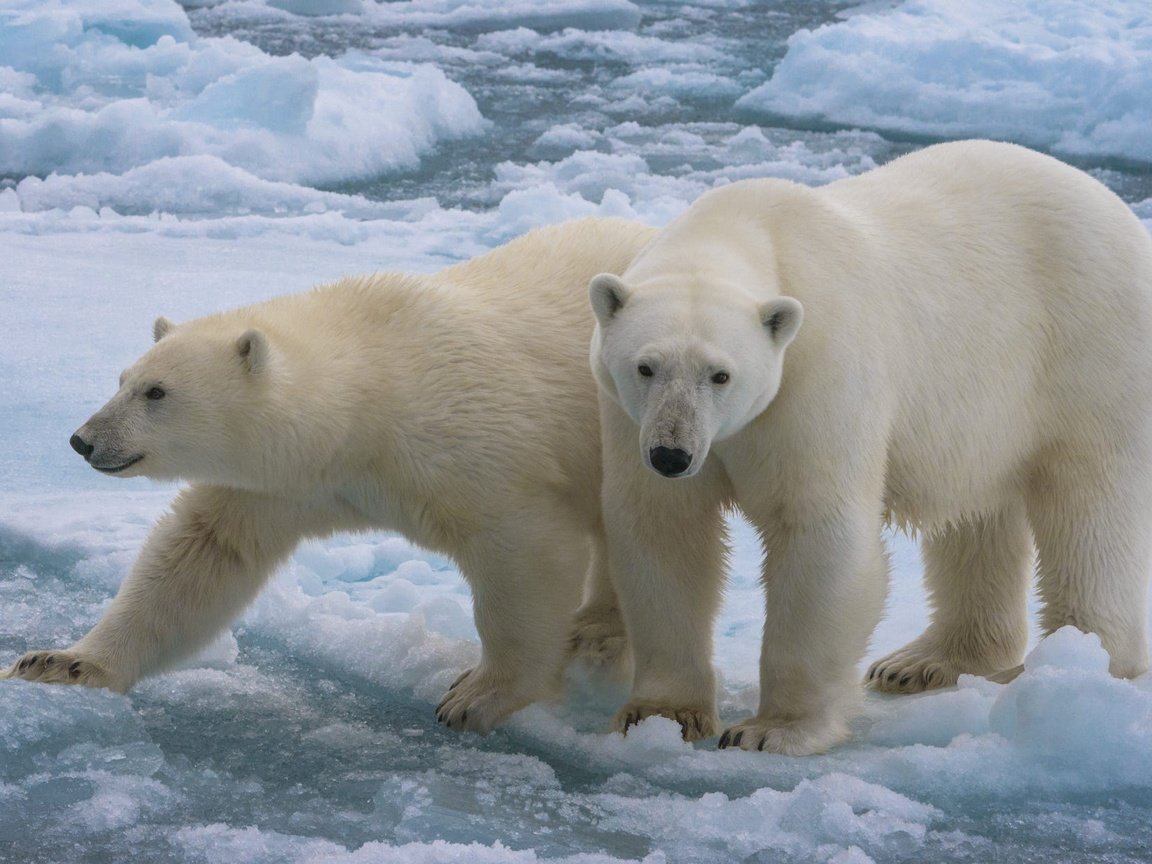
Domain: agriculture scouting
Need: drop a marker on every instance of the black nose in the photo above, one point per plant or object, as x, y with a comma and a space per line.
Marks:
81, 446
669, 462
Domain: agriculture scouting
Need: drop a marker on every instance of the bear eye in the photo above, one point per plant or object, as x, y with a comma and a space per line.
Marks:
720, 378
155, 393
645, 370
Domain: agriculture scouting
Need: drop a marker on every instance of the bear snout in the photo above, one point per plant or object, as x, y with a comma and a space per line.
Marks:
671, 462
81, 446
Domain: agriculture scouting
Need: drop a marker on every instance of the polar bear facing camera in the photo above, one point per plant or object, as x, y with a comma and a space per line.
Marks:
455, 408
956, 342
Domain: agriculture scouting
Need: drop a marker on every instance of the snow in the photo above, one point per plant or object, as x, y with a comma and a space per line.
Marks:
158, 159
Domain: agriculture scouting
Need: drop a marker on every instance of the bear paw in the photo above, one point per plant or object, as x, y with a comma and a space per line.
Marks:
911, 670
477, 702
791, 738
920, 666
58, 667
695, 723
598, 636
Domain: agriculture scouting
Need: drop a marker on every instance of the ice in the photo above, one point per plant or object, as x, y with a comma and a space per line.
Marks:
838, 816
108, 90
1053, 713
565, 138
1057, 74
728, 151
184, 185
464, 14
680, 83
166, 159
320, 7
617, 45
278, 96
547, 15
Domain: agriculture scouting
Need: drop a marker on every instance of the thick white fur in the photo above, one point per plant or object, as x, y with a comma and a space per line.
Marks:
456, 409
973, 362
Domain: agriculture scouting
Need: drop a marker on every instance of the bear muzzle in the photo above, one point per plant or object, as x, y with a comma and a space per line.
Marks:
105, 463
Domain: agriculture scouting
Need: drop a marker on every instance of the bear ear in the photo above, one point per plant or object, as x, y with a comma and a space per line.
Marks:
161, 327
253, 349
782, 318
608, 295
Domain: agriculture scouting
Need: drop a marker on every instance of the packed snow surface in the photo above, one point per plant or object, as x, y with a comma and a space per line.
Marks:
158, 159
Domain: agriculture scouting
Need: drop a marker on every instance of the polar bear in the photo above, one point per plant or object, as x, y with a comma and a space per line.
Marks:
967, 336
457, 409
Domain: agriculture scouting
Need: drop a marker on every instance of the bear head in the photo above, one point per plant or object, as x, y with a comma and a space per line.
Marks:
689, 366
185, 409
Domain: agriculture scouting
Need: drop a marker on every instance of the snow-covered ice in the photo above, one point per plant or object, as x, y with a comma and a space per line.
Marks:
95, 88
158, 159
1048, 73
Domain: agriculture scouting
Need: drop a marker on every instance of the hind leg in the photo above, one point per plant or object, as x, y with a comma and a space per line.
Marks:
1092, 525
598, 635
977, 574
526, 573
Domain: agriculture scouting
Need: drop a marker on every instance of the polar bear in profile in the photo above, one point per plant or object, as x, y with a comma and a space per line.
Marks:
457, 409
959, 342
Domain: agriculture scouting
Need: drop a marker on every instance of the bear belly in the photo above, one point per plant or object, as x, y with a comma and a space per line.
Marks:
925, 494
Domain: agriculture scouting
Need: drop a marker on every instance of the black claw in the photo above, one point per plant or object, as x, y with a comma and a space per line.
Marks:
723, 745
892, 677
75, 668
905, 681
739, 737
25, 663
629, 722
760, 746
459, 680
464, 717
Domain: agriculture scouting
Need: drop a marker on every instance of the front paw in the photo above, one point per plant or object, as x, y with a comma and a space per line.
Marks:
695, 723
59, 667
477, 701
912, 669
791, 738
925, 664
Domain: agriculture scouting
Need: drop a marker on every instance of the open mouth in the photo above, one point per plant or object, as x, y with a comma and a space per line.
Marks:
116, 469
